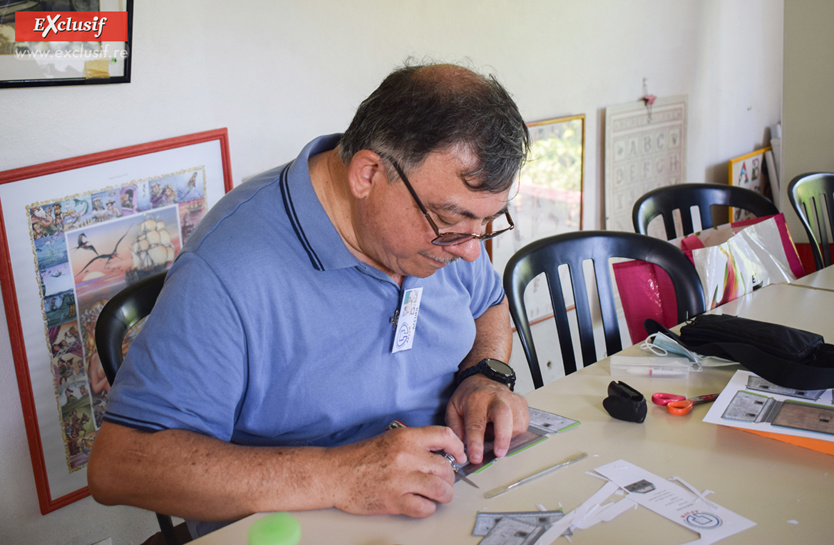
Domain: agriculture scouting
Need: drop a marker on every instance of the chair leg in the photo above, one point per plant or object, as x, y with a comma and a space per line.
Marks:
167, 527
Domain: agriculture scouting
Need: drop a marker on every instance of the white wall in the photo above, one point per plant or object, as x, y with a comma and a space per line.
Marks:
808, 115
278, 73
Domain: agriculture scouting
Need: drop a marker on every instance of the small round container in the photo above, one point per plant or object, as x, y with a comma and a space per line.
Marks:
275, 529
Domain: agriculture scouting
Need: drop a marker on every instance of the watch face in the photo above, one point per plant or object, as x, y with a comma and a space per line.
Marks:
500, 367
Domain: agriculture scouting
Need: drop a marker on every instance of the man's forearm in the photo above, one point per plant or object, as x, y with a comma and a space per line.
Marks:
186, 474
189, 475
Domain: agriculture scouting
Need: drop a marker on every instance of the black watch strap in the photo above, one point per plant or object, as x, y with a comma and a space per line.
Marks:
491, 368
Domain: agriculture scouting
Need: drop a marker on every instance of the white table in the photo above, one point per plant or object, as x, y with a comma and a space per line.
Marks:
788, 304
765, 480
822, 279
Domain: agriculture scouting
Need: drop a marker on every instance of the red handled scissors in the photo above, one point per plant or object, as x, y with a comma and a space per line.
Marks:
679, 405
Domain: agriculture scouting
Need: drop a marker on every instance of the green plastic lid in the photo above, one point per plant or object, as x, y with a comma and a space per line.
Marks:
275, 529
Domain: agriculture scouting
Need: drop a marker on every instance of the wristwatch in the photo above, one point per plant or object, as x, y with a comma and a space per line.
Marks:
491, 368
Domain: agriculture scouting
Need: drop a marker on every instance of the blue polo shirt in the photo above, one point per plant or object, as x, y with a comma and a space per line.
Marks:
270, 332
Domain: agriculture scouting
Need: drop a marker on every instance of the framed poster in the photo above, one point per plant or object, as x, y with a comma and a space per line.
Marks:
75, 232
549, 197
749, 171
100, 52
645, 148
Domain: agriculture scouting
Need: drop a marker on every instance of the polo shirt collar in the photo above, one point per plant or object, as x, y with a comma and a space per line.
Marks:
312, 225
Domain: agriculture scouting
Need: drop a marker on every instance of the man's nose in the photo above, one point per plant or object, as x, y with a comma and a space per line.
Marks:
468, 251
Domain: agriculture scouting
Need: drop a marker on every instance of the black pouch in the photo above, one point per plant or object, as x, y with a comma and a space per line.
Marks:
625, 403
786, 356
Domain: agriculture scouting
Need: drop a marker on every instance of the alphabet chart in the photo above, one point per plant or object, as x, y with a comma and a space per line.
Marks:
645, 148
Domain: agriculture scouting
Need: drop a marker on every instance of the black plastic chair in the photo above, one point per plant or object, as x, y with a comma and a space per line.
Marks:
123, 311
812, 197
571, 249
664, 200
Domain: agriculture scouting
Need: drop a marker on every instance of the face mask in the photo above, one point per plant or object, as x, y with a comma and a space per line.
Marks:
662, 345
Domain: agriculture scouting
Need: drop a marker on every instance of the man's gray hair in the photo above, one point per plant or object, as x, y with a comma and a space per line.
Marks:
419, 110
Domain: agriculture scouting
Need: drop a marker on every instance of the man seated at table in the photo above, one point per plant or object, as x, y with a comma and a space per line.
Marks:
318, 302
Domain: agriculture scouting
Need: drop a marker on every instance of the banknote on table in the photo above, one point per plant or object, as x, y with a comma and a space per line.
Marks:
546, 422
542, 425
510, 531
486, 521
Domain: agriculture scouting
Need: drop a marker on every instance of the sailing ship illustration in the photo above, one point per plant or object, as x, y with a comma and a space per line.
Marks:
153, 251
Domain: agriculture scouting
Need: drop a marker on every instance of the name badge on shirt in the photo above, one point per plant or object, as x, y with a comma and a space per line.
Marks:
407, 320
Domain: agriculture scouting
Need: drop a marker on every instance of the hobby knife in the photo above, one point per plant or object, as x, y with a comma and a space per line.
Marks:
456, 468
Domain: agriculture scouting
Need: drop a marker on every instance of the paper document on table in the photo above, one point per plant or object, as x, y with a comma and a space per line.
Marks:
677, 501
547, 423
512, 531
485, 521
519, 443
680, 504
751, 403
542, 425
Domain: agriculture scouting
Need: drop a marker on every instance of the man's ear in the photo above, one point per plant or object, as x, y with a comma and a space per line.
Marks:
364, 170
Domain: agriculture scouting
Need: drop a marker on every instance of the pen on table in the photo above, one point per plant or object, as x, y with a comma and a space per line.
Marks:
658, 372
455, 467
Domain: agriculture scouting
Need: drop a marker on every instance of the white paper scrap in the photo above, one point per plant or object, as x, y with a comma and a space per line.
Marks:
587, 514
677, 504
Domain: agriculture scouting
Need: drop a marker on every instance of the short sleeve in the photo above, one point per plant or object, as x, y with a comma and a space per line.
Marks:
485, 284
187, 367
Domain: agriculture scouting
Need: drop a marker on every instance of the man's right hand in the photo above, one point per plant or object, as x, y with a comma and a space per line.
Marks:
396, 472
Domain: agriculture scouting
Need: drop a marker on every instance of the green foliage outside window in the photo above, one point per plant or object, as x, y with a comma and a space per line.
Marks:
556, 157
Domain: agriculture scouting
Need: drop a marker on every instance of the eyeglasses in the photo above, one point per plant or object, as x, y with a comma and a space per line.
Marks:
444, 239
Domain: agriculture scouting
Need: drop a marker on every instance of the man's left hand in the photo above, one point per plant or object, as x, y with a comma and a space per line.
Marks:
479, 401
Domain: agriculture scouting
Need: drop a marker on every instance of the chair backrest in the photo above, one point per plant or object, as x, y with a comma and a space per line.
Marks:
572, 249
664, 200
123, 311
812, 197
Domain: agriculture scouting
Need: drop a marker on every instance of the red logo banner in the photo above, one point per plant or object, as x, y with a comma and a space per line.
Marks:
70, 26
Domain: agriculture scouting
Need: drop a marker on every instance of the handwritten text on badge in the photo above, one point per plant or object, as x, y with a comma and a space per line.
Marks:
407, 323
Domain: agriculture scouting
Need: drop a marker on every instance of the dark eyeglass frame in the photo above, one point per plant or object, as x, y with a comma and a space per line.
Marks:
444, 239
